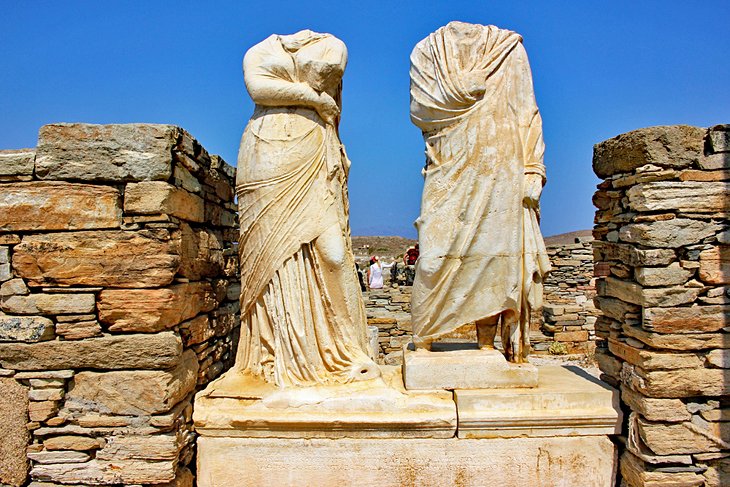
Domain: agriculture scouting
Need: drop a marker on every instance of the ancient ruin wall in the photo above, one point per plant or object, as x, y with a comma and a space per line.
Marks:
661, 246
568, 314
119, 300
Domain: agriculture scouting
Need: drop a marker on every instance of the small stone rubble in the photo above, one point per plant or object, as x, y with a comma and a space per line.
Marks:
119, 291
662, 251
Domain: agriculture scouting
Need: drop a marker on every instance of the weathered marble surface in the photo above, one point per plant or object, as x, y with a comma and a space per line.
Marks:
514, 462
472, 96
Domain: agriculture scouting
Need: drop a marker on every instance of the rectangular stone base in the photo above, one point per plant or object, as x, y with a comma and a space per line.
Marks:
394, 462
459, 368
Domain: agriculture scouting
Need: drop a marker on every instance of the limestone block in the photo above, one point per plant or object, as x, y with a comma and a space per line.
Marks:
679, 342
49, 304
96, 472
71, 442
58, 206
515, 462
184, 179
715, 265
46, 394
571, 336
673, 439
671, 410
155, 197
674, 233
564, 403
17, 164
652, 360
151, 310
115, 153
671, 275
133, 392
13, 287
5, 272
25, 329
59, 456
464, 369
152, 447
630, 255
719, 358
139, 351
242, 406
42, 410
650, 297
97, 258
697, 175
15, 436
201, 253
692, 319
615, 308
675, 146
684, 196
719, 138
197, 330
77, 330
636, 473
683, 383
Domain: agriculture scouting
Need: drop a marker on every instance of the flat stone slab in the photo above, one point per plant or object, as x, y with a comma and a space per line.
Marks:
394, 462
454, 366
566, 402
238, 405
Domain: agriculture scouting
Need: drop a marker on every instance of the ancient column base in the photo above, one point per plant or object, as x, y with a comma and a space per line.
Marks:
451, 366
378, 433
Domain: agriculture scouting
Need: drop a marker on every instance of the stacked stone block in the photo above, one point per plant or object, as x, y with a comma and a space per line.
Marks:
568, 313
118, 300
389, 309
663, 250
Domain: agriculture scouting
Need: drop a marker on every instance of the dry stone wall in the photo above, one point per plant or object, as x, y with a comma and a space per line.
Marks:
663, 250
118, 301
568, 314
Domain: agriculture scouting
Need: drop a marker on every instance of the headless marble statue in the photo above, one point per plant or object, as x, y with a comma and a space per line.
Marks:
482, 255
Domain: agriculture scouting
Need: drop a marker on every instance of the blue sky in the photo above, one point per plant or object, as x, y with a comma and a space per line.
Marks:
599, 68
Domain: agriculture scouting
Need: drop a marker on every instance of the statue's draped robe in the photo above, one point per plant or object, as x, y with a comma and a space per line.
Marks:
481, 248
303, 323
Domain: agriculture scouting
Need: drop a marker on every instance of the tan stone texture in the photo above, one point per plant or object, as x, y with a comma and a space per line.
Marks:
693, 197
652, 360
152, 447
679, 342
133, 392
719, 358
691, 319
676, 146
15, 436
684, 383
673, 439
71, 442
672, 410
151, 310
671, 275
96, 472
630, 255
17, 164
97, 258
58, 206
49, 304
715, 265
633, 293
673, 233
124, 152
516, 462
138, 351
77, 330
636, 474
201, 253
155, 197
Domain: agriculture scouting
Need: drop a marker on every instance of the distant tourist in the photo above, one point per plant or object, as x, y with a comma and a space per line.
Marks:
375, 273
411, 255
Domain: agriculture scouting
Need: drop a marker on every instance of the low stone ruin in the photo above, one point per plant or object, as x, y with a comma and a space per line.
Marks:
119, 301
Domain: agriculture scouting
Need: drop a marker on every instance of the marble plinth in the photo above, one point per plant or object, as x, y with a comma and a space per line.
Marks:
455, 366
586, 461
237, 405
566, 402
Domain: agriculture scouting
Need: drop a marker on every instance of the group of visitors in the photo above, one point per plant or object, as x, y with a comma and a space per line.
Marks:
373, 277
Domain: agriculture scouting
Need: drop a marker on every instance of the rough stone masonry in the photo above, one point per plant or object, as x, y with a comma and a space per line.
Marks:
663, 249
118, 300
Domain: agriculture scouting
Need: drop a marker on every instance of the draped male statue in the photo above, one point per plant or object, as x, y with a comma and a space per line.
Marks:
482, 255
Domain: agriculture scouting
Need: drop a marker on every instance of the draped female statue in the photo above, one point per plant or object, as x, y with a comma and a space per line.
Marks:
482, 255
302, 315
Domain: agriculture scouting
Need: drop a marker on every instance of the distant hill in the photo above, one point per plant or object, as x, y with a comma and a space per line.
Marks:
566, 238
390, 247
384, 247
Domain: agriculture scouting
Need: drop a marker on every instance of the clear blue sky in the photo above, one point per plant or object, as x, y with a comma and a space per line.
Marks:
600, 69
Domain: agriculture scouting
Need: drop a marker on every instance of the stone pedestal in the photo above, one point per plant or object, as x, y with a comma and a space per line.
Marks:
378, 433
453, 366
